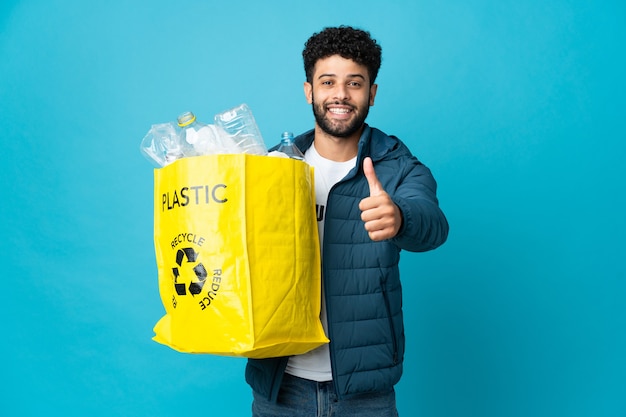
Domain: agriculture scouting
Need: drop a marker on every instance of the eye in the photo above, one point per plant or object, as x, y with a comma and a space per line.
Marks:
355, 84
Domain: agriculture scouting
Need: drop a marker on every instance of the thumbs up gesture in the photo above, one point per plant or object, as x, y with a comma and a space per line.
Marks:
381, 215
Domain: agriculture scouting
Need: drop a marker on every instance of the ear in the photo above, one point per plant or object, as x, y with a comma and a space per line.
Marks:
308, 92
373, 90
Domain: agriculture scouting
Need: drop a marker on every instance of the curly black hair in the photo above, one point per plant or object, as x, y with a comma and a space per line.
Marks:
346, 41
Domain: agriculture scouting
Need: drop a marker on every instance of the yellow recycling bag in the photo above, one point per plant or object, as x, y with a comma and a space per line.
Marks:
237, 254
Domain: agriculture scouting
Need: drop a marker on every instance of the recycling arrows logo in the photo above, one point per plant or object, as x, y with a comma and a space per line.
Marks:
193, 269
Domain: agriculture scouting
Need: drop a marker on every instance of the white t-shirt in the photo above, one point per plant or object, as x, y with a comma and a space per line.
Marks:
315, 365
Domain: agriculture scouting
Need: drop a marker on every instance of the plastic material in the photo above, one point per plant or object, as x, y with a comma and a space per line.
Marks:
288, 147
240, 125
199, 138
161, 145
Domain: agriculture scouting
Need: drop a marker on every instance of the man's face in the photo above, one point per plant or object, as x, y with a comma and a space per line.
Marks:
340, 95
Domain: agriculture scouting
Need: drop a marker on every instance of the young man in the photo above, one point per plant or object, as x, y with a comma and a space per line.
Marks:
374, 198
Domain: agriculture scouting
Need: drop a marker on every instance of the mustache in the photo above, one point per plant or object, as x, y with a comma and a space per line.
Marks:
334, 102
339, 103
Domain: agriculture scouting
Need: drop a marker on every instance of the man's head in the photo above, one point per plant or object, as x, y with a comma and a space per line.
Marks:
346, 41
341, 66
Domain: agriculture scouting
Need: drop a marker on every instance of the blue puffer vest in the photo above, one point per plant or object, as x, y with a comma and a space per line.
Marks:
361, 278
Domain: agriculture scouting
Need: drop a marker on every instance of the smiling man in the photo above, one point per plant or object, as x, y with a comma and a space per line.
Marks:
343, 94
374, 199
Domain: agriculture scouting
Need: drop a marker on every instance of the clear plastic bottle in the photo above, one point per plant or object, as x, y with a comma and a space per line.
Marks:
189, 134
288, 147
161, 145
240, 125
200, 138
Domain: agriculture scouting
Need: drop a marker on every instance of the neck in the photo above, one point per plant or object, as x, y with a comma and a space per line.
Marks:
334, 148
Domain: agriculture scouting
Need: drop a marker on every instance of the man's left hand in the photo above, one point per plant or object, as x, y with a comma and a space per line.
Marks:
381, 215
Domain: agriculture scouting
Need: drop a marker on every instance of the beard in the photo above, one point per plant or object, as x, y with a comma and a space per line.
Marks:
339, 129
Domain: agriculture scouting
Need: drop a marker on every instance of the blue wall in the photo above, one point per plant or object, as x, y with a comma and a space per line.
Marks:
517, 107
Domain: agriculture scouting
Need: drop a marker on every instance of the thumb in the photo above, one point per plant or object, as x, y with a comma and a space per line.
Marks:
376, 187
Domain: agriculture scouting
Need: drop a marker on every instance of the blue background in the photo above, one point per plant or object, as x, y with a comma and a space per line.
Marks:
517, 107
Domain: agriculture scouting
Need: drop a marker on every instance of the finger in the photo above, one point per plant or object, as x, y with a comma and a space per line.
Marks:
376, 187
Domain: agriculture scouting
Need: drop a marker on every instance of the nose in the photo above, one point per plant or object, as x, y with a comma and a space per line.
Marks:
341, 92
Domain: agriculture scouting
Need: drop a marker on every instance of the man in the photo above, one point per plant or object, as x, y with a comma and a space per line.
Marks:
374, 198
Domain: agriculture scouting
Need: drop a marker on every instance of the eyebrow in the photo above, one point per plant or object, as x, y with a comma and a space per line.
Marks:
349, 76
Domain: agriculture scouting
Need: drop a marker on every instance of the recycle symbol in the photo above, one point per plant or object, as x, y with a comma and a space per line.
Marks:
199, 272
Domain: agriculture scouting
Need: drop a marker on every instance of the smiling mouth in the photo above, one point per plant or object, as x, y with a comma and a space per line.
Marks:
339, 110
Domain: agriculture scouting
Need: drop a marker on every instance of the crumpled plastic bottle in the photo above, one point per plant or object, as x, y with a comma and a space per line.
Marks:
199, 138
161, 145
240, 125
235, 131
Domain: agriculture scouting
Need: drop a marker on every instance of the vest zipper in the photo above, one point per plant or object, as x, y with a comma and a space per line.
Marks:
333, 366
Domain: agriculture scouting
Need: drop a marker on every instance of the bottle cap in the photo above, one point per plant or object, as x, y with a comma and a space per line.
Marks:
186, 119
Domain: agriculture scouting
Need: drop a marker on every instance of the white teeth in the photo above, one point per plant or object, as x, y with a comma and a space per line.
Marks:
338, 111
